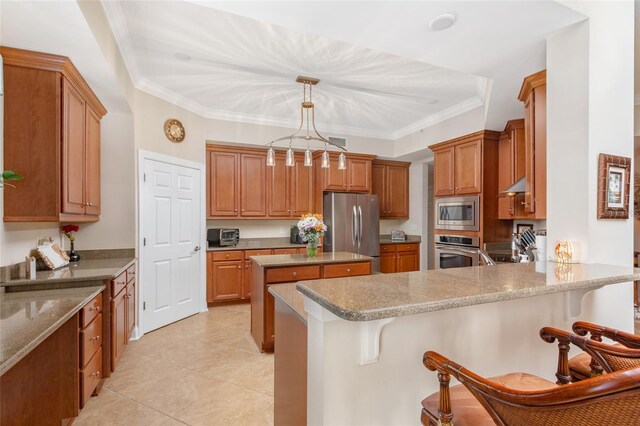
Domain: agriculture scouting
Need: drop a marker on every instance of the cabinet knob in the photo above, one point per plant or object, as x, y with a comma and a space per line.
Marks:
239, 266
242, 209
289, 211
235, 210
96, 338
96, 374
227, 256
295, 274
348, 269
457, 188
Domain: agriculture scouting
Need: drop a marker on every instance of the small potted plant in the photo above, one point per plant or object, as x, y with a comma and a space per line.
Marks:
311, 228
68, 231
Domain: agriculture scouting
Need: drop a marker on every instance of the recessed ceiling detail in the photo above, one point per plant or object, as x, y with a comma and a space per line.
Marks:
230, 67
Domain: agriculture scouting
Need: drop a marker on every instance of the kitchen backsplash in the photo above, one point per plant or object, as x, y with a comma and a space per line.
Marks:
256, 228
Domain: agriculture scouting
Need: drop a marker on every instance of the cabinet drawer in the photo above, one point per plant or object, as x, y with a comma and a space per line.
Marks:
298, 273
249, 253
118, 284
90, 340
292, 250
89, 378
388, 248
131, 273
90, 310
227, 255
347, 270
408, 247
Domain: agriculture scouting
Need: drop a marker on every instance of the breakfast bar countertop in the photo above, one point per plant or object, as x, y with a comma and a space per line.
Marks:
29, 317
290, 296
275, 260
374, 297
84, 270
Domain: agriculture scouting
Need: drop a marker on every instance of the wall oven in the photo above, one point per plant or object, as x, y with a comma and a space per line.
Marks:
458, 213
455, 251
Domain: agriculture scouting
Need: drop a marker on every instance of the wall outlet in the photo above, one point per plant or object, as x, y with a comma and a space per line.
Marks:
283, 231
413, 227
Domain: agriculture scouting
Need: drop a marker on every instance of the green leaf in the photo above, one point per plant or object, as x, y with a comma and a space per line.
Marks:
11, 175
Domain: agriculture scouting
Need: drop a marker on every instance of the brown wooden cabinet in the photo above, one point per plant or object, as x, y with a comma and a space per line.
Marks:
511, 168
534, 96
91, 338
253, 194
301, 187
223, 176
52, 138
443, 172
227, 280
123, 312
404, 257
458, 168
131, 308
289, 189
390, 180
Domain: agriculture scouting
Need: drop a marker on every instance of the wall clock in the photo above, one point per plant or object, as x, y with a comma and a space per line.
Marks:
174, 130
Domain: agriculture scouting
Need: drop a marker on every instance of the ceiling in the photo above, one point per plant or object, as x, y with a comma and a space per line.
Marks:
63, 30
384, 73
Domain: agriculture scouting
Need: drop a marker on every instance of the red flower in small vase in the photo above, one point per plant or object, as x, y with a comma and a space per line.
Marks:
67, 230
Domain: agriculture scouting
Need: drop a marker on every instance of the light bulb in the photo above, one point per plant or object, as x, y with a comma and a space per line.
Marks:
325, 160
308, 161
342, 161
271, 157
290, 161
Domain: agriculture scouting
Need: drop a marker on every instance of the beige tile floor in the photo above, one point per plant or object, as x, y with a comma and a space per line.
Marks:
203, 370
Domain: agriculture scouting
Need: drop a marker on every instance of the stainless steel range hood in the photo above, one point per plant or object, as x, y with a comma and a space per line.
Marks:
516, 188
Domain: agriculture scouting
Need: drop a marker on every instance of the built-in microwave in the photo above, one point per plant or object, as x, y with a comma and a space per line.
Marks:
458, 213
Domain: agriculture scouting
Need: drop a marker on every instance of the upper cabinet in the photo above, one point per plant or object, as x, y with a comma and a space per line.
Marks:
458, 165
511, 168
534, 96
390, 180
52, 138
355, 178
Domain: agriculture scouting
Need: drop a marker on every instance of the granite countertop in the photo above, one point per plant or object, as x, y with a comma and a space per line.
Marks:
28, 318
303, 259
386, 239
84, 270
259, 243
288, 294
381, 296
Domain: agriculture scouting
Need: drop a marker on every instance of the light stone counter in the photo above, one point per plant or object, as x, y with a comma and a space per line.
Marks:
375, 297
303, 260
28, 318
288, 294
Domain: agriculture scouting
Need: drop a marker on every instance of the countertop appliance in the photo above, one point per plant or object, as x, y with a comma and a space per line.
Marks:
457, 251
221, 237
398, 236
458, 213
353, 225
295, 237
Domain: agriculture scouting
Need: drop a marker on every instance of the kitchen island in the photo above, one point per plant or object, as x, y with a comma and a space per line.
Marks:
366, 335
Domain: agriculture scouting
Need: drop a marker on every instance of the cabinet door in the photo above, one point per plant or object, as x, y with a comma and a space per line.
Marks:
397, 188
222, 184
388, 263
530, 187
505, 175
468, 167
334, 178
253, 197
358, 175
408, 261
269, 318
278, 188
378, 182
518, 153
92, 145
131, 308
443, 176
226, 280
209, 277
301, 188
73, 150
118, 327
246, 280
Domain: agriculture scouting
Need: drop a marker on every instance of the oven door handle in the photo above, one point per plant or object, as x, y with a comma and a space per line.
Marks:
458, 250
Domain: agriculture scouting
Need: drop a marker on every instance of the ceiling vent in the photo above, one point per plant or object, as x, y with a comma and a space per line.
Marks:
339, 141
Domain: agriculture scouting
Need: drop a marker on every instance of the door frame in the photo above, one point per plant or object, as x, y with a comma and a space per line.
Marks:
202, 294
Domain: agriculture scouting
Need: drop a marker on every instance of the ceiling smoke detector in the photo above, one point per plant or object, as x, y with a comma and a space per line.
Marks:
182, 56
442, 22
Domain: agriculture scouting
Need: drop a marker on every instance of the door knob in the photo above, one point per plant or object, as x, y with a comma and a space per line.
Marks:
196, 248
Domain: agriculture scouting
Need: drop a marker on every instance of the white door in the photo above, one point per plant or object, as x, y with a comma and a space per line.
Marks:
170, 221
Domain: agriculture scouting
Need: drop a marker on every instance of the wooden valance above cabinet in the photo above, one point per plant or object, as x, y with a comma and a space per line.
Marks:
52, 138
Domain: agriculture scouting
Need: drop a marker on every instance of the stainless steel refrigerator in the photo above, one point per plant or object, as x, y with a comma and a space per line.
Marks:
353, 225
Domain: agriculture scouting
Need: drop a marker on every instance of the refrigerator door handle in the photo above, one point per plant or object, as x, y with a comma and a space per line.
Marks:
354, 223
359, 226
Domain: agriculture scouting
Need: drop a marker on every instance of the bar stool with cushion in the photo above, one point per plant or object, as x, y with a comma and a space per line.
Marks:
529, 400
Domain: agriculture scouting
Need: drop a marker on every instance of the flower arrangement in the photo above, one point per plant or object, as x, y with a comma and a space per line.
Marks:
68, 231
311, 228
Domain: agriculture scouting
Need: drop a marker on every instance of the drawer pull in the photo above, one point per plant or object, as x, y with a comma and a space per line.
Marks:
96, 338
295, 274
94, 308
96, 374
227, 256
348, 269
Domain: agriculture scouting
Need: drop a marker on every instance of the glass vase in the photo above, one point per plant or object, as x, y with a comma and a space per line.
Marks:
312, 248
73, 256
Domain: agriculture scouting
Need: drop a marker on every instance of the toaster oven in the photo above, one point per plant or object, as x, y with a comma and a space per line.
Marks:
221, 237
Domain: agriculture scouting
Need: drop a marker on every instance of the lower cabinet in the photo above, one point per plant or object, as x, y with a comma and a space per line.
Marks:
91, 371
123, 313
399, 257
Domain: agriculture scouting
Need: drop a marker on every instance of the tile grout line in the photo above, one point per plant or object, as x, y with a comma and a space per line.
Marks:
147, 406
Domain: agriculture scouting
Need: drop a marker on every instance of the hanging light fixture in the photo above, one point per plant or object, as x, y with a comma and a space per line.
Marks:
271, 157
307, 120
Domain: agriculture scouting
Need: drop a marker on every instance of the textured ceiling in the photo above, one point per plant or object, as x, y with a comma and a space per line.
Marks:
242, 69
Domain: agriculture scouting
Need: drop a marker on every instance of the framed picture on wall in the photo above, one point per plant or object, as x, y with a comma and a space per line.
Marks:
614, 176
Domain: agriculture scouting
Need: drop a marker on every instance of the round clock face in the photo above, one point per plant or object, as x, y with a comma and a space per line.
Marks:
174, 130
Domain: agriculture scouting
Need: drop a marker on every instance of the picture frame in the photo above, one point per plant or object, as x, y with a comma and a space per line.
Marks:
521, 227
614, 178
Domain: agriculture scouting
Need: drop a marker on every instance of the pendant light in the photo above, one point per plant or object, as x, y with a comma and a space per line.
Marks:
271, 157
342, 161
307, 120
